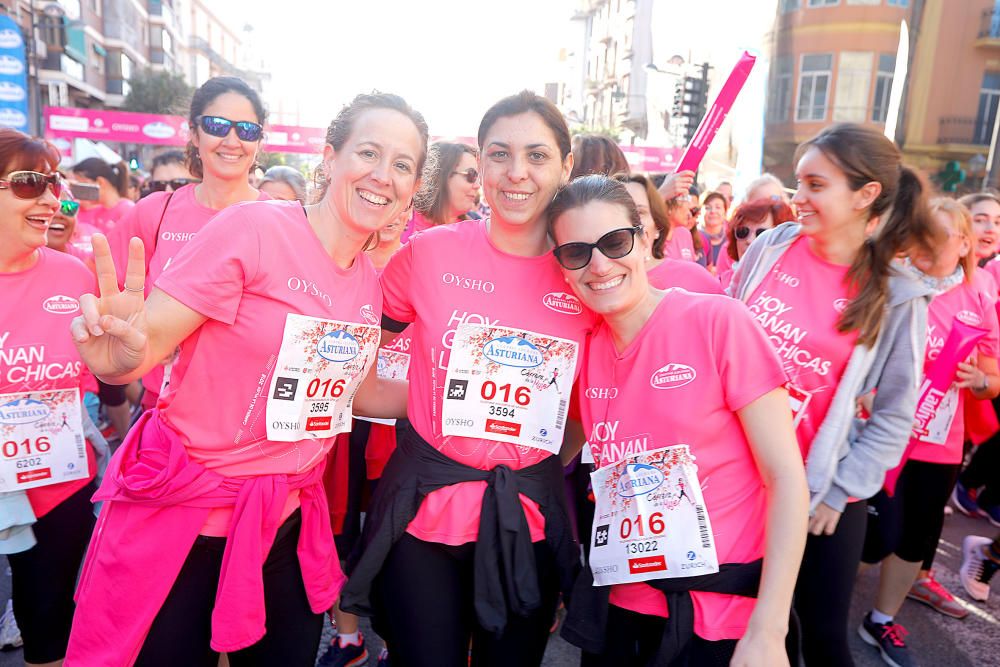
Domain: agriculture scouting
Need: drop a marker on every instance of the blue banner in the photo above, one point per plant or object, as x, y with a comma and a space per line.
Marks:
13, 76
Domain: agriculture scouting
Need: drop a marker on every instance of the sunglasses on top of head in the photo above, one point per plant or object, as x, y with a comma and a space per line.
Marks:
470, 174
173, 184
614, 245
31, 184
217, 126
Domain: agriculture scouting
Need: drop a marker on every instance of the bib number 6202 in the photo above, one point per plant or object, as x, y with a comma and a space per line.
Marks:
490, 391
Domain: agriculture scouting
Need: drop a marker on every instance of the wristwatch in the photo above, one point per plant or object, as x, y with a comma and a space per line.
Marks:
986, 383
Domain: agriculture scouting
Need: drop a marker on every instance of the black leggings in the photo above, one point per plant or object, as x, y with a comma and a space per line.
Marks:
984, 471
632, 640
424, 609
43, 578
909, 523
182, 629
824, 587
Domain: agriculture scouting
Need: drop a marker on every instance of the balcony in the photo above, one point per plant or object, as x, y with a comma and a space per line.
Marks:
989, 28
964, 131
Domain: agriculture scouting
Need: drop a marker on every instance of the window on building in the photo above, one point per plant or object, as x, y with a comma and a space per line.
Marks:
883, 85
789, 5
126, 70
167, 40
823, 3
95, 6
814, 86
898, 3
986, 114
853, 85
781, 90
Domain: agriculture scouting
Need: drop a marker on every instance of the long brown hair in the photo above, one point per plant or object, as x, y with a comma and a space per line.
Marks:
866, 156
657, 211
432, 197
20, 152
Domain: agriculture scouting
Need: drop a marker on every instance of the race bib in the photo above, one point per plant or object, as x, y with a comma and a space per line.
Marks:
320, 366
650, 521
508, 385
42, 439
932, 423
393, 365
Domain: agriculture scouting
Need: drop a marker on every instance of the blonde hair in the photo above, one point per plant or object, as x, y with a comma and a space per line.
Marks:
962, 220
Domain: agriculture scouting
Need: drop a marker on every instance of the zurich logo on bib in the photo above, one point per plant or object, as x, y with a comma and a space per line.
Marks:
638, 480
339, 346
513, 351
23, 411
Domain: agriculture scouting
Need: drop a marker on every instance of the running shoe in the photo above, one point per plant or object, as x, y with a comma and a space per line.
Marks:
10, 634
965, 500
992, 513
977, 569
352, 655
936, 596
888, 638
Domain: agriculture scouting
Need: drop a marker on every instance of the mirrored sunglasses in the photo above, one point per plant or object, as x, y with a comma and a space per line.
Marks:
31, 184
217, 126
69, 208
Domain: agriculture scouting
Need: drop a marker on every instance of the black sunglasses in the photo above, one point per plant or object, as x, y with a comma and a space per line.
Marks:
471, 175
743, 232
69, 208
218, 126
614, 245
173, 184
31, 184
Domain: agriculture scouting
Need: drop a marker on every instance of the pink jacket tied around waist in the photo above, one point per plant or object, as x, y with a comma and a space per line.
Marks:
156, 501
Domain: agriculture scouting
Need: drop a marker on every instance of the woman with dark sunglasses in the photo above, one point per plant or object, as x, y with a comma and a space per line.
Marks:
448, 187
718, 589
749, 220
47, 465
219, 155
169, 172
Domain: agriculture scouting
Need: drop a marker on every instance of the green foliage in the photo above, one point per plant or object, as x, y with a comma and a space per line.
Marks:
153, 91
613, 132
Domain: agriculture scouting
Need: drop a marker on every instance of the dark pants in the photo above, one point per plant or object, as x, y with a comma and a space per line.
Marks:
182, 629
984, 471
424, 609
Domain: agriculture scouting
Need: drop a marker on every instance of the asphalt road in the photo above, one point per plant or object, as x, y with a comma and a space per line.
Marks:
934, 639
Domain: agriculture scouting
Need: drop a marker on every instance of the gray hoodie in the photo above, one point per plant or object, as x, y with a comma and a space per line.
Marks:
849, 457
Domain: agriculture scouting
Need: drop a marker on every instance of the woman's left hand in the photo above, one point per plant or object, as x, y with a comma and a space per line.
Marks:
760, 649
970, 377
824, 521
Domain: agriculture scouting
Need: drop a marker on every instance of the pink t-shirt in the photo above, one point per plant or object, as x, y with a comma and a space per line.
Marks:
992, 267
975, 304
446, 276
105, 219
36, 351
798, 305
724, 264
680, 245
253, 264
418, 223
687, 275
989, 275
733, 365
183, 217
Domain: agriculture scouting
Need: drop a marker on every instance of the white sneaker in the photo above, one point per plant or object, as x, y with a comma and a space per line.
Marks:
973, 572
10, 634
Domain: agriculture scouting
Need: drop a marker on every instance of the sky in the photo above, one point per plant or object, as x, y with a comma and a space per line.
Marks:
451, 59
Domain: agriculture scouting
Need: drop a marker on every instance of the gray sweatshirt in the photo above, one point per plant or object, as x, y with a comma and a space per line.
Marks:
849, 457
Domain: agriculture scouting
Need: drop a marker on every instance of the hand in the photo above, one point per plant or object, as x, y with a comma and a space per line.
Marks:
111, 333
824, 521
675, 185
970, 377
763, 649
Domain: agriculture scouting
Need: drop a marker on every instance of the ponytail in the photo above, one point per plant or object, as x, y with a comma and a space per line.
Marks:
121, 174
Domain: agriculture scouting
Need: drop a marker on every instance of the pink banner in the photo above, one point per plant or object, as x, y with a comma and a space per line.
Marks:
652, 159
120, 126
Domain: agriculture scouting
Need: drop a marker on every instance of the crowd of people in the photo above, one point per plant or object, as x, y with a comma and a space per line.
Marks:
458, 388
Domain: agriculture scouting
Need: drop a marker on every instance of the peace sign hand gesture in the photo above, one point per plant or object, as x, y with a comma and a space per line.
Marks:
111, 333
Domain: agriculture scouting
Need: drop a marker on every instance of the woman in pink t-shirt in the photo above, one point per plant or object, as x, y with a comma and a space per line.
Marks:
112, 203
448, 187
903, 533
224, 483
750, 220
678, 376
47, 468
846, 321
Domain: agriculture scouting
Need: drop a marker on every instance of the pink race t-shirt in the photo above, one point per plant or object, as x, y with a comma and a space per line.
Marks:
447, 276
36, 351
975, 304
687, 275
418, 223
252, 265
798, 305
992, 267
680, 245
105, 219
182, 218
733, 365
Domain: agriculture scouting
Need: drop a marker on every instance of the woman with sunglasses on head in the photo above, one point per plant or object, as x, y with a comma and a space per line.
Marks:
653, 404
226, 118
448, 187
846, 321
47, 468
169, 173
112, 203
467, 536
214, 505
750, 220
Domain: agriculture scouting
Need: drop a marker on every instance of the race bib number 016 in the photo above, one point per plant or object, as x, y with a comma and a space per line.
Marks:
650, 521
508, 385
320, 366
41, 439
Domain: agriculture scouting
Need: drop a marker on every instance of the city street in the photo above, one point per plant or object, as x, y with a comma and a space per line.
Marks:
934, 639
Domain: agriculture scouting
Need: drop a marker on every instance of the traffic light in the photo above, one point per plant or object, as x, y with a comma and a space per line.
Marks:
695, 101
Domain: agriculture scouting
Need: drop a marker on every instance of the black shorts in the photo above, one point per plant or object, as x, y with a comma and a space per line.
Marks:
909, 523
44, 577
